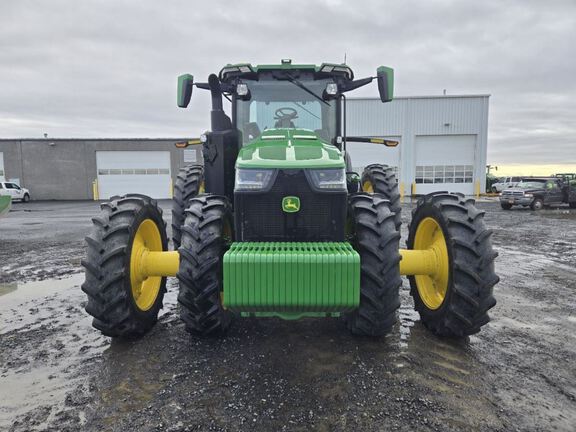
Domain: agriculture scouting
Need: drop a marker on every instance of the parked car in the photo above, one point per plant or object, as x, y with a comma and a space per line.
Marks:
505, 183
539, 192
15, 191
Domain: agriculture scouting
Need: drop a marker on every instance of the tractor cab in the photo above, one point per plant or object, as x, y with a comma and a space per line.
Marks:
283, 115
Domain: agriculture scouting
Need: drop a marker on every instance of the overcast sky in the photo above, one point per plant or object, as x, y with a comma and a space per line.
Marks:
108, 68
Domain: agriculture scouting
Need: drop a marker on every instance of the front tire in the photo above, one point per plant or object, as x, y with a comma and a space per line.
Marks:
26, 198
189, 183
121, 305
206, 236
505, 206
376, 238
455, 301
537, 204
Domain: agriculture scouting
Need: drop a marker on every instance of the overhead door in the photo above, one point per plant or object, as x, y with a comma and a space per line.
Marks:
144, 172
445, 163
2, 167
364, 154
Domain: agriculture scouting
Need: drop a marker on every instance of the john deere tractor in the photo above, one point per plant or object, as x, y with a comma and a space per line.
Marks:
275, 223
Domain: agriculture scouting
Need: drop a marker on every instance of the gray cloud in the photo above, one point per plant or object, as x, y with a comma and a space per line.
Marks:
108, 68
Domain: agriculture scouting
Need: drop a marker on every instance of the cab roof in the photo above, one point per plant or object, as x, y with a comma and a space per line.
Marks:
248, 71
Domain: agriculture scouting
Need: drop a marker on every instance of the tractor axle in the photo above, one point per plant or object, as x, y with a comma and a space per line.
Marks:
414, 262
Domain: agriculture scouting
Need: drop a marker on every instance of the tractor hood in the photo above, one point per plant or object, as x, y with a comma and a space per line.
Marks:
289, 149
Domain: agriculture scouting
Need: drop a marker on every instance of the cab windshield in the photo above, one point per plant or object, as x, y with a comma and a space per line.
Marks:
530, 185
283, 104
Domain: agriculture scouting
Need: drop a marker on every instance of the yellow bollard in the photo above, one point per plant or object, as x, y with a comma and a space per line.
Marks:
95, 192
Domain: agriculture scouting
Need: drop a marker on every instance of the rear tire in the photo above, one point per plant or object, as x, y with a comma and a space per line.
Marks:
206, 236
376, 239
471, 278
506, 206
381, 179
189, 183
107, 264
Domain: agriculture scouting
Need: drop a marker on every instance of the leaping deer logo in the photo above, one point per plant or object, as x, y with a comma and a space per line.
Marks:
291, 204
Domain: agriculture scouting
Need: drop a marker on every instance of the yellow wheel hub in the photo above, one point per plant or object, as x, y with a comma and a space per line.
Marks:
145, 288
367, 187
202, 188
432, 287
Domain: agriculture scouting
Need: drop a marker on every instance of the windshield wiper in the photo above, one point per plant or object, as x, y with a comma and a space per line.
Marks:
303, 87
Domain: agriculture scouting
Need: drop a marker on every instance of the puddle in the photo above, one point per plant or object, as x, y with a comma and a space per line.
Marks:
45, 337
7, 288
14, 293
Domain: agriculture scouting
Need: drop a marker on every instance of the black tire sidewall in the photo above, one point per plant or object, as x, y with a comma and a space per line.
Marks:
148, 211
429, 210
533, 206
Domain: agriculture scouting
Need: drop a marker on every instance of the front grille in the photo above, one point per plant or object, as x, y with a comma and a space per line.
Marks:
513, 193
259, 216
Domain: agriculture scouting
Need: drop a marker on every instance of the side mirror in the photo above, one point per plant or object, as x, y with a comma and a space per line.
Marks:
185, 84
385, 77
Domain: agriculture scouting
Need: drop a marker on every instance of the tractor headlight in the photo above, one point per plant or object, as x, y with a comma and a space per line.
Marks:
253, 179
241, 89
331, 89
334, 179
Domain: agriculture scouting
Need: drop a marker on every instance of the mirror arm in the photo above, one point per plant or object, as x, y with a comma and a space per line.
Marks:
353, 85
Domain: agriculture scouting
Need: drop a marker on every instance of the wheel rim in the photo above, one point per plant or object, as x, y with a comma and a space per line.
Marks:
368, 187
202, 188
144, 290
538, 205
432, 288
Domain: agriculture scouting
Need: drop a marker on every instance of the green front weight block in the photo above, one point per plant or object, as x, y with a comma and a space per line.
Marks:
291, 280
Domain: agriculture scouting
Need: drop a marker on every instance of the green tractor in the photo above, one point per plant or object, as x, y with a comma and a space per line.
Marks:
276, 224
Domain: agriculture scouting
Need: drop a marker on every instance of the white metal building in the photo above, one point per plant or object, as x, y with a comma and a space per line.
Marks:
443, 140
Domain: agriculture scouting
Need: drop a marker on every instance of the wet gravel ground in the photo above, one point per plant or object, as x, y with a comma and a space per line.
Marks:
58, 374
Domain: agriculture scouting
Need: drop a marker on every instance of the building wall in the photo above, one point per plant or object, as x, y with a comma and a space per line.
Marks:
64, 169
413, 117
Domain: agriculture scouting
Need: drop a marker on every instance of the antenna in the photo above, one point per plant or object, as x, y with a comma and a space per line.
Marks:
344, 57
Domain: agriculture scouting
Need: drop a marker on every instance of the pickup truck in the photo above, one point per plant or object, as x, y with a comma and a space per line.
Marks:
537, 193
504, 183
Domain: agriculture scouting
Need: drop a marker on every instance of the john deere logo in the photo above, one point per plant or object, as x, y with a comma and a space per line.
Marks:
291, 204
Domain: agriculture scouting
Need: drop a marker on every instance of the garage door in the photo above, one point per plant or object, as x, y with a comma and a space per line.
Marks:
144, 172
445, 162
364, 154
2, 167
